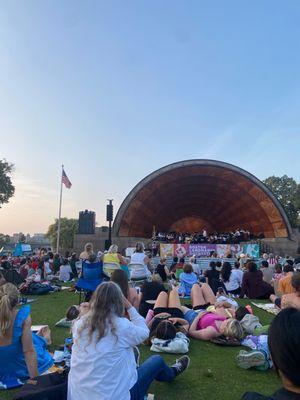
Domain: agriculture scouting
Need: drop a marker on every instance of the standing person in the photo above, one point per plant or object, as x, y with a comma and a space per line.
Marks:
231, 279
103, 364
23, 355
253, 285
212, 277
139, 257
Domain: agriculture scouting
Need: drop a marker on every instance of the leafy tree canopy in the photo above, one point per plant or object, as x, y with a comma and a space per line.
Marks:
68, 229
7, 189
287, 191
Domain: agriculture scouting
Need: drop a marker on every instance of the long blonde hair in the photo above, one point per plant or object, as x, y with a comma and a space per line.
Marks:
113, 249
107, 303
9, 297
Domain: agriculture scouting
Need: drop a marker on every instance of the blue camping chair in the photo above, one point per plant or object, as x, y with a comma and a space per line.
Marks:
91, 277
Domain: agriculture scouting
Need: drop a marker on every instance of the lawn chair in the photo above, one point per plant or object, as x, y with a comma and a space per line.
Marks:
139, 273
109, 268
91, 277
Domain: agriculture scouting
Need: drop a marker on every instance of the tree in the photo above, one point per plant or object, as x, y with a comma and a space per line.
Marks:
4, 239
22, 238
7, 189
287, 191
68, 229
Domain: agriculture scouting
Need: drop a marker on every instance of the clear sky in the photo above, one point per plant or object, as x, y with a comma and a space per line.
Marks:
117, 89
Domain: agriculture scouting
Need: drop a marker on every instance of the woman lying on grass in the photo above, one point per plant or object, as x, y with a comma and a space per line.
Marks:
168, 317
207, 325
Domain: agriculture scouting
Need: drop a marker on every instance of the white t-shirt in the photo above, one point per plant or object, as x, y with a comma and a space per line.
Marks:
139, 272
106, 370
235, 280
64, 272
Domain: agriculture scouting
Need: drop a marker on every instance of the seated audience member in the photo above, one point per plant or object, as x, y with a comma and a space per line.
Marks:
73, 261
103, 363
56, 263
207, 325
284, 347
253, 285
120, 278
285, 283
2, 279
140, 257
113, 256
168, 314
148, 295
5, 264
46, 268
23, 354
267, 271
162, 270
179, 267
290, 299
24, 267
195, 266
65, 271
88, 250
278, 274
174, 262
231, 279
187, 279
212, 277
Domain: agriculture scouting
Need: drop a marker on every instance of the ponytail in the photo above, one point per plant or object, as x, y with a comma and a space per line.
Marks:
8, 300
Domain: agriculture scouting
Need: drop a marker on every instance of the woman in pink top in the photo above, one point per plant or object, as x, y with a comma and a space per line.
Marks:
206, 325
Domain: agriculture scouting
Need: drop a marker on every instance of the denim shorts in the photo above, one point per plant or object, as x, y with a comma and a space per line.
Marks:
190, 315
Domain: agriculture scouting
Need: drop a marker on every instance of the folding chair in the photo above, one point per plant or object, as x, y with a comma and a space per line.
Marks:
92, 275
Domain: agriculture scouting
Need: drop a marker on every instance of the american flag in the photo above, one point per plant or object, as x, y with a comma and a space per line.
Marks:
65, 180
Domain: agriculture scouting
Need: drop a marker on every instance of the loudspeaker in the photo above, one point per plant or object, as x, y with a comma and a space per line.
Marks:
87, 222
109, 212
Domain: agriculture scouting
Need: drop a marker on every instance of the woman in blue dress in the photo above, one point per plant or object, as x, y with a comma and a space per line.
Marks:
23, 354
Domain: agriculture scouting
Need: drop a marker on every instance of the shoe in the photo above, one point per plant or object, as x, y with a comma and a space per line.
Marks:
181, 364
250, 359
136, 355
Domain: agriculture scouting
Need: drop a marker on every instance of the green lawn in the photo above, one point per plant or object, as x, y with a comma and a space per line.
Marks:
226, 382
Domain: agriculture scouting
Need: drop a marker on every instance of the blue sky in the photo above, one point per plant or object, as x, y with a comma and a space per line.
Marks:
117, 89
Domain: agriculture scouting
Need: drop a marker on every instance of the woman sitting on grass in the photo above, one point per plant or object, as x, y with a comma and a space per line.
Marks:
103, 364
284, 346
187, 279
290, 299
207, 325
23, 354
253, 285
120, 278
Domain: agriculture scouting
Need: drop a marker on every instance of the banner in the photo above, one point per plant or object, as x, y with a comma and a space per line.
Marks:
252, 250
181, 250
202, 250
166, 250
224, 249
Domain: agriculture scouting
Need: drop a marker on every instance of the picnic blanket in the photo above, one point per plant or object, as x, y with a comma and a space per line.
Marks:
269, 307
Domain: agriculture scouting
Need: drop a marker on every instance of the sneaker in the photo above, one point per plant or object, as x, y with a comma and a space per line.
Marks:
250, 359
181, 364
136, 355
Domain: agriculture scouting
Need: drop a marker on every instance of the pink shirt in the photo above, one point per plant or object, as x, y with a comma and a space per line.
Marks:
209, 320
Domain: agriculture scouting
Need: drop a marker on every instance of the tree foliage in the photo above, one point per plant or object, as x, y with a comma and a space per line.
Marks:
68, 229
7, 189
4, 239
287, 191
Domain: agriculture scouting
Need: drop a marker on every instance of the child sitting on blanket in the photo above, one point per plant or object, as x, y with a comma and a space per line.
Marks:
187, 279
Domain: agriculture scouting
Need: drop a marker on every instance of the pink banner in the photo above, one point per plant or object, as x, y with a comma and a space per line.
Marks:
202, 250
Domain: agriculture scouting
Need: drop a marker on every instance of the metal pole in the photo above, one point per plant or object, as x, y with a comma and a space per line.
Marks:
59, 212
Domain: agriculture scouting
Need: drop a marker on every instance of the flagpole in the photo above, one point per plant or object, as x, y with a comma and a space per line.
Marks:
59, 213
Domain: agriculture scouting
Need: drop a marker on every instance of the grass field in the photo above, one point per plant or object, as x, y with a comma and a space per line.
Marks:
226, 382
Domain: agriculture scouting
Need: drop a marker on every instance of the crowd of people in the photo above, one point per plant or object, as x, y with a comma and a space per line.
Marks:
136, 302
237, 236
